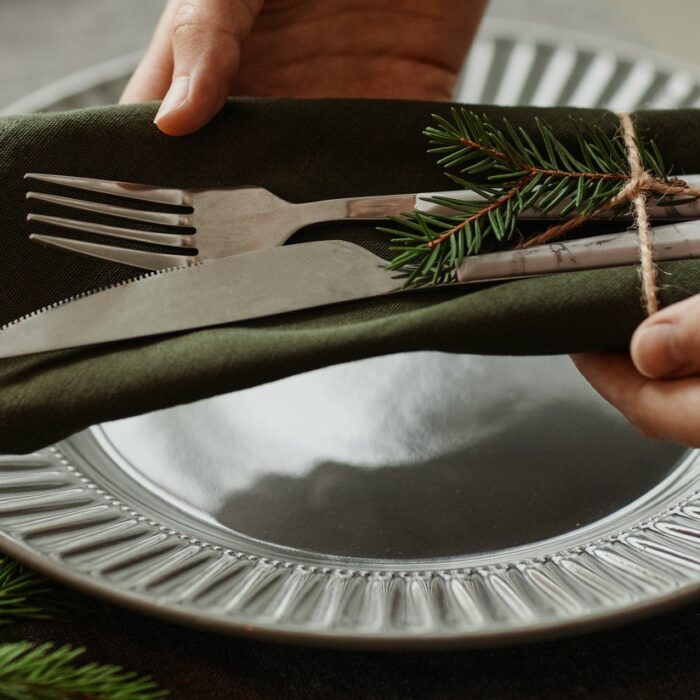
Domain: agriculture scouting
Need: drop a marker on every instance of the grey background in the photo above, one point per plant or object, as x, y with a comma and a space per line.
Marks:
43, 40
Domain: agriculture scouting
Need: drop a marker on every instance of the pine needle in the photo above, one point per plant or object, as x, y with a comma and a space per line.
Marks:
44, 672
37, 672
24, 594
514, 173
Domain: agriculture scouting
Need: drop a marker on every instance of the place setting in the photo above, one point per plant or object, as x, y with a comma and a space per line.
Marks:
316, 373
397, 501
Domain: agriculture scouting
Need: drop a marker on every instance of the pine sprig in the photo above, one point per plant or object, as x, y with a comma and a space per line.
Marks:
29, 672
24, 594
512, 173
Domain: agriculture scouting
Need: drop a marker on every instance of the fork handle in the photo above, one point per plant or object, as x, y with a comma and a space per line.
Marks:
385, 206
377, 207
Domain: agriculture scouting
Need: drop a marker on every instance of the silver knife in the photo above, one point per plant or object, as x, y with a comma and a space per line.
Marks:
237, 288
290, 278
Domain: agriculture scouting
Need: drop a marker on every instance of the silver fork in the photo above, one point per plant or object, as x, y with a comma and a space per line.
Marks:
227, 221
219, 222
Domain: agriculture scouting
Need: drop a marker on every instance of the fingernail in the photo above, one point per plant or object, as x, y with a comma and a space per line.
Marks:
653, 350
176, 95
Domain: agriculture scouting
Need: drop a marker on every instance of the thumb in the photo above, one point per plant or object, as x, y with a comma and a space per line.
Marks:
206, 38
668, 344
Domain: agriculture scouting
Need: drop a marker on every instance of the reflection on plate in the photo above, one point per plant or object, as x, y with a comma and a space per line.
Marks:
488, 500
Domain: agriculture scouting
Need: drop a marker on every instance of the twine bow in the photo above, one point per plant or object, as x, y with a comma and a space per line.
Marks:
639, 186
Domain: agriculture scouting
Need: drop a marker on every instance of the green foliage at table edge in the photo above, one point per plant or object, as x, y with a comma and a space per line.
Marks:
45, 671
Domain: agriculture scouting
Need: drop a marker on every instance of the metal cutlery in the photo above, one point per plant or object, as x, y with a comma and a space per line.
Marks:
671, 242
290, 278
214, 223
209, 224
235, 288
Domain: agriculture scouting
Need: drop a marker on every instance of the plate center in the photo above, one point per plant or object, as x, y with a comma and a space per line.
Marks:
412, 456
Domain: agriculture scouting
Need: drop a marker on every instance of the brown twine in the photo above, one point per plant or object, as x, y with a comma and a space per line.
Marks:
640, 185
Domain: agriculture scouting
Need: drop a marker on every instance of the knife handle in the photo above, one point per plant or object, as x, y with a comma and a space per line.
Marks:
672, 242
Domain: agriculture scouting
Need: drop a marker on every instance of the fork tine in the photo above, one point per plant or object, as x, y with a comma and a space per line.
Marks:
145, 193
170, 239
151, 217
134, 258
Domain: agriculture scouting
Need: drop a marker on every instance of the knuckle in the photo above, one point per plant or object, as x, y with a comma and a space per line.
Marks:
189, 22
195, 22
188, 13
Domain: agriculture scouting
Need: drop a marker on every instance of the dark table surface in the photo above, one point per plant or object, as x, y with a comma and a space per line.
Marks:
652, 658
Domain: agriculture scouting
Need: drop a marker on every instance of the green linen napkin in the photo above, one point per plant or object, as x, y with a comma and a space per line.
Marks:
302, 151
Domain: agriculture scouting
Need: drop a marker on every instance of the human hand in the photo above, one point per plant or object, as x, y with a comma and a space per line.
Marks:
205, 50
657, 387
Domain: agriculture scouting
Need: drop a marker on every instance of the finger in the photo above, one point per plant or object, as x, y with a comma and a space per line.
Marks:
612, 375
206, 37
668, 343
664, 409
151, 79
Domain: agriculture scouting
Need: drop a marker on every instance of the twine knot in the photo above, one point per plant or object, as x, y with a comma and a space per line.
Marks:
640, 185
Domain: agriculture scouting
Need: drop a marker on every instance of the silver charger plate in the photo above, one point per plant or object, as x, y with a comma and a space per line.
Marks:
480, 501
486, 500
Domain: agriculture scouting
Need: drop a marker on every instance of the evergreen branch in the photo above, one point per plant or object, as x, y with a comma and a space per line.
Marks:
24, 594
512, 173
484, 212
29, 672
530, 168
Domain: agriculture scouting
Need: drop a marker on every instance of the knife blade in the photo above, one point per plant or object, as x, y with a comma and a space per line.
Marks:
237, 288
291, 278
